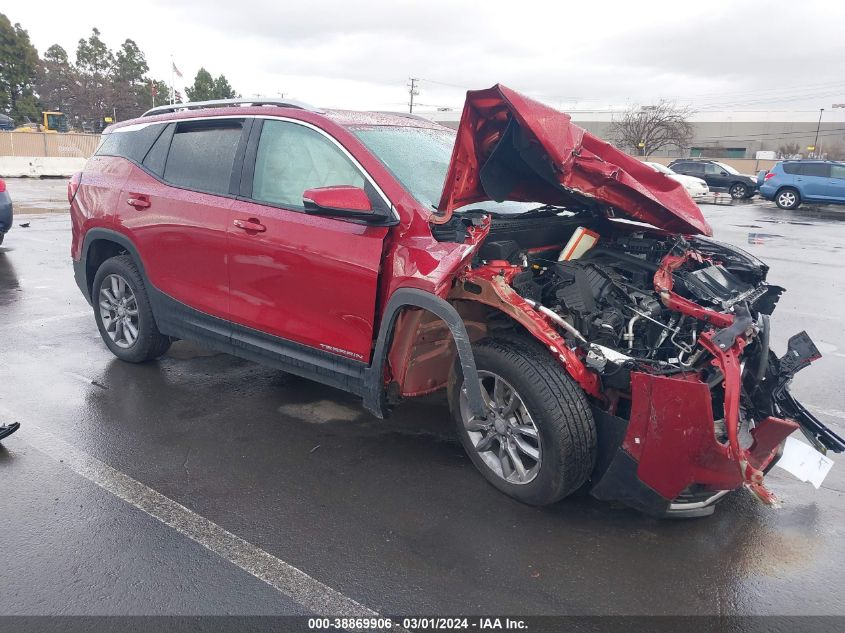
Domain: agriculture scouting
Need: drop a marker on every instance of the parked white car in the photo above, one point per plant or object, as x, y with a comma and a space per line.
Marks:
695, 187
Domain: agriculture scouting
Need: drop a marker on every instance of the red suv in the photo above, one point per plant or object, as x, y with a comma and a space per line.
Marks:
563, 294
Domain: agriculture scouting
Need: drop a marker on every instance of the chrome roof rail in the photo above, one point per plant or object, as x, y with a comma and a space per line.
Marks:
222, 103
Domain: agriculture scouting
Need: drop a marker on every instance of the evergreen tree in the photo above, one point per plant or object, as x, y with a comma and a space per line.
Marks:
57, 84
94, 65
203, 88
18, 72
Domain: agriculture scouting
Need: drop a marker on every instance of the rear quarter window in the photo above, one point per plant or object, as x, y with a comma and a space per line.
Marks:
202, 154
790, 168
131, 144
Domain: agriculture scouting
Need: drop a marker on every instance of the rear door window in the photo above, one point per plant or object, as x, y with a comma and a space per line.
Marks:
202, 154
820, 170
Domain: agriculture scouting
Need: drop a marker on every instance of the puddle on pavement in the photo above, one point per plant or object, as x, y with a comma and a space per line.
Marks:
321, 411
762, 238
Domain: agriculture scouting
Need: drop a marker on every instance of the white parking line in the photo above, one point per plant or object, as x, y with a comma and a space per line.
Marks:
285, 578
834, 413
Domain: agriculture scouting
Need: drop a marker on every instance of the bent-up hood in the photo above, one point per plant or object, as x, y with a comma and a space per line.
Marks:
510, 147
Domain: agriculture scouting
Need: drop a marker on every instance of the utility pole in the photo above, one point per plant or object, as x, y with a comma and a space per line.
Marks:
413, 91
818, 127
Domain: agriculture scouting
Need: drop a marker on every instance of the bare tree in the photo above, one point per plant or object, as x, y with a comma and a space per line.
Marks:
647, 129
789, 150
835, 150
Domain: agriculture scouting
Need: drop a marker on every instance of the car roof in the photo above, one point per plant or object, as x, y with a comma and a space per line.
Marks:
344, 118
809, 160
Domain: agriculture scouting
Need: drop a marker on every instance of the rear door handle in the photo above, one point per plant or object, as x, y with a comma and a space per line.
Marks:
139, 201
250, 225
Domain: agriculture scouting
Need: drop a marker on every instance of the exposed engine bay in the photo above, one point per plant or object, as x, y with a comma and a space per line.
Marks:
652, 314
665, 331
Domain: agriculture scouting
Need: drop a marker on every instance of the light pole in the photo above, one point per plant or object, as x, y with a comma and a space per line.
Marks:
818, 127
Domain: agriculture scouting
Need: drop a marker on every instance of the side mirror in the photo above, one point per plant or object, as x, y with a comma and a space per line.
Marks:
340, 201
723, 173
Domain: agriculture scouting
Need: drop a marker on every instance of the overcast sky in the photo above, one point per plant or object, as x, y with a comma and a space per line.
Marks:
753, 55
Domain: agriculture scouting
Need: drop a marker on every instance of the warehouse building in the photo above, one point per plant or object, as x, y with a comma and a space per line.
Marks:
728, 134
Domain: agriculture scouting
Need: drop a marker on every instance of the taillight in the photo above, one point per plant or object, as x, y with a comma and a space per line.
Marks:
2, 185
771, 174
73, 185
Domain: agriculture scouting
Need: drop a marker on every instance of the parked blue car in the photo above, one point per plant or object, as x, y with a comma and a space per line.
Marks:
791, 182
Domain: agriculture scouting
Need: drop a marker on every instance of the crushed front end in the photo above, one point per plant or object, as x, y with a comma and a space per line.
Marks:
669, 335
666, 330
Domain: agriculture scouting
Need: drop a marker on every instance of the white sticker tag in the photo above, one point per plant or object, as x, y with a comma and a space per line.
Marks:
805, 462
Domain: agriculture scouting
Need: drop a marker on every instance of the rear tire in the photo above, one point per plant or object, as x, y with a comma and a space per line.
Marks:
123, 312
788, 198
739, 191
549, 418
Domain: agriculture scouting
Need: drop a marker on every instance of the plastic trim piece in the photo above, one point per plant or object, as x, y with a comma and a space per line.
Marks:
415, 298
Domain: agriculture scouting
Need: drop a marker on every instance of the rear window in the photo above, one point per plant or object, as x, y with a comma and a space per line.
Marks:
202, 153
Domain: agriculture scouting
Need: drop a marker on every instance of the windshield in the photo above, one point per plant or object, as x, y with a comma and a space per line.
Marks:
728, 168
663, 169
419, 159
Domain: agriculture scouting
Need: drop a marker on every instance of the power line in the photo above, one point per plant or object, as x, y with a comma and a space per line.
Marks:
725, 99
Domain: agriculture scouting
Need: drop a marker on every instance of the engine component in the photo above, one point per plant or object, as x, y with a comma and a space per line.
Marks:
581, 241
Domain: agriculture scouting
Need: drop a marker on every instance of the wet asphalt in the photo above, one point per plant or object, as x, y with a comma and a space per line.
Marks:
389, 513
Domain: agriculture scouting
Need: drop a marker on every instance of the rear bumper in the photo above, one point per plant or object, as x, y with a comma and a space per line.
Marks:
768, 192
6, 215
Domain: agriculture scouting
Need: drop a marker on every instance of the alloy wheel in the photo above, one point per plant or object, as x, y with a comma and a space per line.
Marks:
787, 199
119, 311
508, 441
738, 191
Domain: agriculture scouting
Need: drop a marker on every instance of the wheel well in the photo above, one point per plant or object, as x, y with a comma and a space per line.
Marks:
423, 351
99, 251
789, 188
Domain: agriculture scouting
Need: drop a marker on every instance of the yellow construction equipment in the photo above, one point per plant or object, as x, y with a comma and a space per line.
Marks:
50, 122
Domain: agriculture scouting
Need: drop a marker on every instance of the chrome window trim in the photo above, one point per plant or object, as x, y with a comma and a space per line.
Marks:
393, 213
343, 150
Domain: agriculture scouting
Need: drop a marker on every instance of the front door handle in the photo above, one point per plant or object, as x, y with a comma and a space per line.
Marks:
139, 201
250, 225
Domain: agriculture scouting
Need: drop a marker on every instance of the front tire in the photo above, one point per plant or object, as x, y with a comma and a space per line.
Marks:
739, 191
123, 312
788, 199
538, 443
